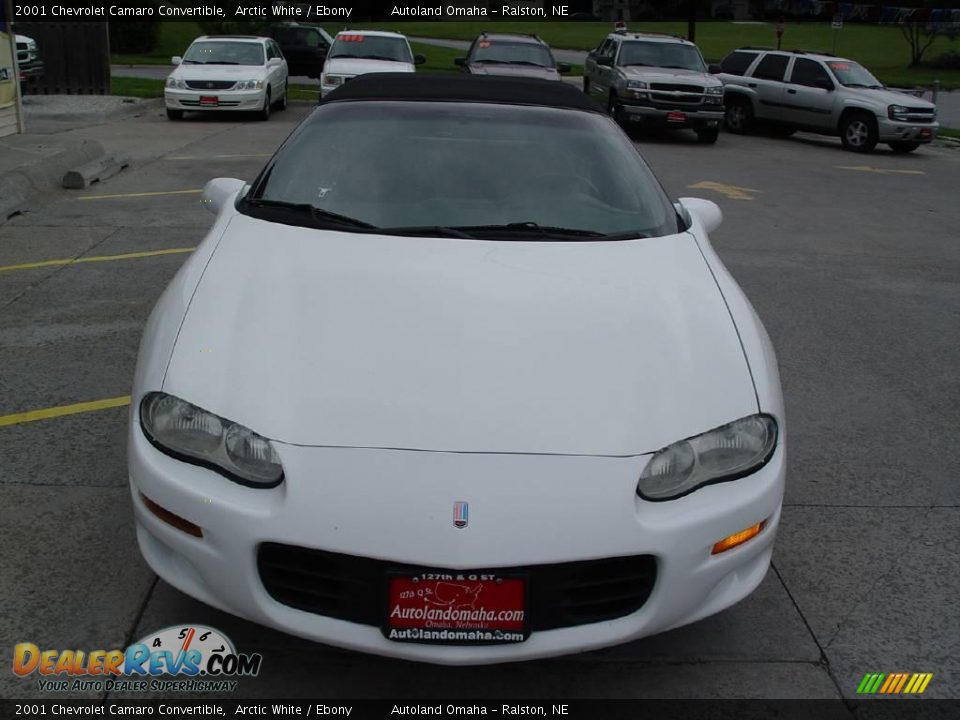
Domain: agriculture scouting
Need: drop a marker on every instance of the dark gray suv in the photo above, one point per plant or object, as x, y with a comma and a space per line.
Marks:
513, 55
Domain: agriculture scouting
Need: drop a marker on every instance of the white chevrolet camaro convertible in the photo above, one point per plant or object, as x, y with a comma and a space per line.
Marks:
453, 380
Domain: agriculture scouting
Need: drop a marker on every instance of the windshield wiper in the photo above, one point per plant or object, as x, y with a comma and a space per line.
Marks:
545, 231
426, 231
313, 211
634, 65
376, 57
678, 67
220, 62
195, 62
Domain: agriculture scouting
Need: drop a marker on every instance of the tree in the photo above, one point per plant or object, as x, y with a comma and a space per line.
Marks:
920, 35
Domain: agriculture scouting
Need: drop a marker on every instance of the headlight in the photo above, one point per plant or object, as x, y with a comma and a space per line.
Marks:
249, 85
718, 90
173, 82
331, 80
636, 85
725, 453
192, 434
897, 112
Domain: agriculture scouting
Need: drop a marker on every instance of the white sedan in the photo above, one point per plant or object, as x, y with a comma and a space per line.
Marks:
431, 389
228, 73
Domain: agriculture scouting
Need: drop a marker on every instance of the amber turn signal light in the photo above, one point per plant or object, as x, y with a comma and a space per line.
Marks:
171, 519
738, 538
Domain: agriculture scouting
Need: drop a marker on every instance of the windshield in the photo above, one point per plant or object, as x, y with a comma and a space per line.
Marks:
661, 54
224, 53
443, 165
372, 47
487, 51
853, 74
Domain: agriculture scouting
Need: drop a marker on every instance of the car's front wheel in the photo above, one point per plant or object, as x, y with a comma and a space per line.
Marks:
282, 102
264, 113
708, 136
858, 132
174, 114
904, 147
738, 114
586, 85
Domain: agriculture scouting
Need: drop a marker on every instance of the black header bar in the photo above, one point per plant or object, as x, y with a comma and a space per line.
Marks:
337, 11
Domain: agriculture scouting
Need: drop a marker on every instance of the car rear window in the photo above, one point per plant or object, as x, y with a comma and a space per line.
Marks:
736, 63
772, 67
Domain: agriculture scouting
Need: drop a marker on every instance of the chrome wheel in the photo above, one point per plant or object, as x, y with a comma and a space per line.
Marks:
857, 134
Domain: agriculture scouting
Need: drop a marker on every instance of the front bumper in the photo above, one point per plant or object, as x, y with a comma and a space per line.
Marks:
247, 100
396, 505
898, 131
31, 71
701, 116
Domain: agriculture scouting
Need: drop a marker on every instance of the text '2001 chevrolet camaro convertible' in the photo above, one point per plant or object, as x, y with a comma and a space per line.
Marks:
453, 380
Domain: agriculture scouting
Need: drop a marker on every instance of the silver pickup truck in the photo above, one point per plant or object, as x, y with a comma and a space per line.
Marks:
655, 79
816, 92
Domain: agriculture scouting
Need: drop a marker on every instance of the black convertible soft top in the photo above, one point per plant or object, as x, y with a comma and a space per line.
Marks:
462, 88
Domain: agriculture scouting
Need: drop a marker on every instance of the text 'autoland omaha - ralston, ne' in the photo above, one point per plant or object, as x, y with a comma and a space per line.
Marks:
520, 9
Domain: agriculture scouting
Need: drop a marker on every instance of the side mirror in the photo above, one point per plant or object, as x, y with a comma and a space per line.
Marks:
460, 62
419, 59
714, 69
706, 211
218, 192
605, 61
563, 68
176, 60
274, 61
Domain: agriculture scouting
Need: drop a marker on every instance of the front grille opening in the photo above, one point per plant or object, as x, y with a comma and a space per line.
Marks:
352, 588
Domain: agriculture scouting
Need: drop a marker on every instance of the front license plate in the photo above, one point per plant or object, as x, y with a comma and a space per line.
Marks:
676, 117
926, 133
456, 608
209, 100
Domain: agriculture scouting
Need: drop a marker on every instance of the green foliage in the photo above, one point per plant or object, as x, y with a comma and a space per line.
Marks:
135, 36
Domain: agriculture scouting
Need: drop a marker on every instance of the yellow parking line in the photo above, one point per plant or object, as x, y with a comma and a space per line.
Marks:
63, 410
734, 192
880, 171
140, 194
96, 258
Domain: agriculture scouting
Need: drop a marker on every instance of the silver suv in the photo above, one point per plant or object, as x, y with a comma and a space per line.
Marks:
657, 79
821, 93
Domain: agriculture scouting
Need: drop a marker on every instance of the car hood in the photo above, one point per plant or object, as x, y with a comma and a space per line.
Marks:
215, 72
358, 66
544, 73
892, 97
342, 339
669, 75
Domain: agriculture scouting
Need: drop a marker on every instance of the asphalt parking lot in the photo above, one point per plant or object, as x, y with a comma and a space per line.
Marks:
852, 262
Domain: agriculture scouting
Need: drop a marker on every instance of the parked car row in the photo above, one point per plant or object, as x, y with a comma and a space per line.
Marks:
641, 78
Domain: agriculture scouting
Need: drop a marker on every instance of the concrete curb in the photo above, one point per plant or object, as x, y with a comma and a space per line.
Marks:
137, 106
95, 171
20, 185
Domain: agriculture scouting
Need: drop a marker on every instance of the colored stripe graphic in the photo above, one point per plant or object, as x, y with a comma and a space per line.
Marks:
894, 683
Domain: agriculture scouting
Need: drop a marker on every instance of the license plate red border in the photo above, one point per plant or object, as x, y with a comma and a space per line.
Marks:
209, 100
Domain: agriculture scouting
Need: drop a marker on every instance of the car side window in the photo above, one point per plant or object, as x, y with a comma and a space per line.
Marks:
737, 62
810, 73
772, 67
606, 49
